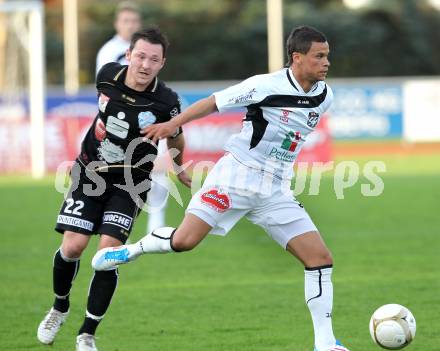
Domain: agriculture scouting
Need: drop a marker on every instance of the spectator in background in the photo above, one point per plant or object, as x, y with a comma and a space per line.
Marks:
127, 22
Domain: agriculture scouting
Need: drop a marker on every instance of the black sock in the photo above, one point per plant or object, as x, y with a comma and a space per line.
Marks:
89, 326
101, 291
64, 272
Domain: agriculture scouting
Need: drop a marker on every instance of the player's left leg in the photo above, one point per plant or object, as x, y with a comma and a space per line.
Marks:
210, 210
311, 250
286, 221
188, 235
102, 288
118, 216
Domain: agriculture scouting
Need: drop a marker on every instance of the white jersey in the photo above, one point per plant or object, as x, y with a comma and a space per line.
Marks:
280, 116
112, 51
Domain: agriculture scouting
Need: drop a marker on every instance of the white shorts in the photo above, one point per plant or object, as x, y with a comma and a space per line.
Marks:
233, 190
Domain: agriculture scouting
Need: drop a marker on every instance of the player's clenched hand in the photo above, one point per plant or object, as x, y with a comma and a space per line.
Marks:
184, 178
158, 131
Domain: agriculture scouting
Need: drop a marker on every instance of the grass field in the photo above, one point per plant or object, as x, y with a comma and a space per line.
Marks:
241, 292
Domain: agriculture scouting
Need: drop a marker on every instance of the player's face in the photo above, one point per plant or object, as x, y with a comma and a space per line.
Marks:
127, 23
145, 62
314, 65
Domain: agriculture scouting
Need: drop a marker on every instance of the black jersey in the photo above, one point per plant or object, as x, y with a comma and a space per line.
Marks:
114, 138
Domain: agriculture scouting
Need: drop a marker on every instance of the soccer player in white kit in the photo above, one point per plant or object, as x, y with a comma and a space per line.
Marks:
250, 180
127, 22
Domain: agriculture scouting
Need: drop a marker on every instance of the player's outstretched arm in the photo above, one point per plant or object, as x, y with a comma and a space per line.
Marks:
197, 110
178, 143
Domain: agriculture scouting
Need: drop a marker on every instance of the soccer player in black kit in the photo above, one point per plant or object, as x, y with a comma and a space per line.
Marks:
110, 178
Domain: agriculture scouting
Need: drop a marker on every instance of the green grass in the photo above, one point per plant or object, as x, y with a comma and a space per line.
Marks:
241, 292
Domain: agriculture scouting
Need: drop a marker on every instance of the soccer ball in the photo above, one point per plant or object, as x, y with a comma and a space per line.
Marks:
392, 326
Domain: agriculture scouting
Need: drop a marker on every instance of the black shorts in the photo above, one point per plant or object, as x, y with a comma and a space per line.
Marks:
98, 206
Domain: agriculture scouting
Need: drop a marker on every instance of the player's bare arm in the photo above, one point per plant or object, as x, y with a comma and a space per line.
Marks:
197, 110
179, 144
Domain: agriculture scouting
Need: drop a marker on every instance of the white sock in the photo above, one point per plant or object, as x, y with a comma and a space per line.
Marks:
157, 201
158, 241
155, 220
319, 299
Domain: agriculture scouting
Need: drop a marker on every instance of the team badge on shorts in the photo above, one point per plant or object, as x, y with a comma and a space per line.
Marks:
216, 199
313, 119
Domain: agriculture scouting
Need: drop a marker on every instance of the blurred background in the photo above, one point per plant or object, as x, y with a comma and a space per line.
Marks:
227, 39
384, 69
240, 292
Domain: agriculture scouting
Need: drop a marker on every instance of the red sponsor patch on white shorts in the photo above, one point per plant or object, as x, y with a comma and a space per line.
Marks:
216, 199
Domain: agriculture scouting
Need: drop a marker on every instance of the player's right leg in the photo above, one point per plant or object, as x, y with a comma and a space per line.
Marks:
76, 221
188, 235
65, 268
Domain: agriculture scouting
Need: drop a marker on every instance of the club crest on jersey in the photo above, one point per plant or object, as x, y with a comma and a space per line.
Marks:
146, 118
216, 199
313, 119
102, 102
284, 116
174, 112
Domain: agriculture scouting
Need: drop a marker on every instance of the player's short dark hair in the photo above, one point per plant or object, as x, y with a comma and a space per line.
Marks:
300, 40
153, 35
